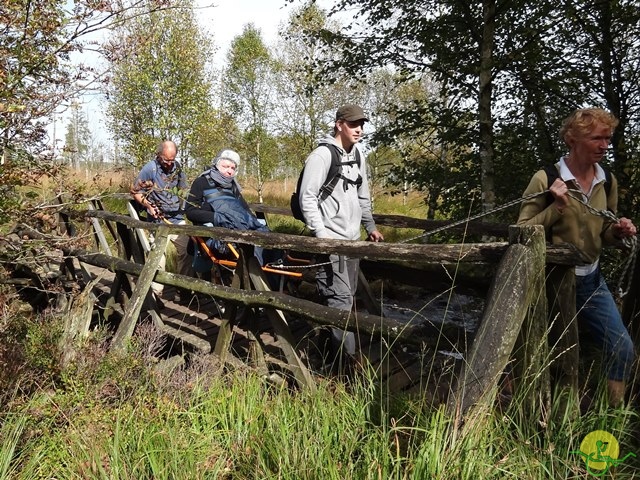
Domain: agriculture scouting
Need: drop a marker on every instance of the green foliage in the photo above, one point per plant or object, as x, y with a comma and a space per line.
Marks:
33, 48
248, 95
160, 88
306, 110
504, 77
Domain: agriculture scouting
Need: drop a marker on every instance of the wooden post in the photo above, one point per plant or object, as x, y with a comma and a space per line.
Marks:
281, 328
510, 295
132, 312
97, 204
77, 322
563, 337
131, 248
225, 334
140, 233
531, 378
101, 240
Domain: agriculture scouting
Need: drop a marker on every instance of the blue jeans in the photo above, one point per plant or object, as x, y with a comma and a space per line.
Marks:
599, 315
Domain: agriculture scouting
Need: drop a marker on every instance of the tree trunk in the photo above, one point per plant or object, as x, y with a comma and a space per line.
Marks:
484, 105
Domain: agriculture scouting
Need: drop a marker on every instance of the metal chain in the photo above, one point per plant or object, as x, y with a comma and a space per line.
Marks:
476, 217
628, 267
631, 243
279, 264
606, 214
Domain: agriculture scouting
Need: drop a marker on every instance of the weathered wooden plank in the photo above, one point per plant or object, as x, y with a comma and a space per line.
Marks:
510, 296
134, 307
476, 227
77, 320
97, 204
281, 328
140, 231
225, 335
445, 253
184, 335
532, 385
101, 240
185, 326
453, 253
321, 314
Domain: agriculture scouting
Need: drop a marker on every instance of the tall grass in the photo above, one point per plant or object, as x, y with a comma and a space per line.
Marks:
277, 193
118, 417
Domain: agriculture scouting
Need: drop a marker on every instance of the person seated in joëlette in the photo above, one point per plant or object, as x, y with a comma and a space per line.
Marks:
215, 199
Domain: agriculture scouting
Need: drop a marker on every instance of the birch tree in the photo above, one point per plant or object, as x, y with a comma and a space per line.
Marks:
248, 95
160, 88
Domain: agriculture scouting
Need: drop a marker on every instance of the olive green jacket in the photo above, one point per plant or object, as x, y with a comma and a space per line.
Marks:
575, 224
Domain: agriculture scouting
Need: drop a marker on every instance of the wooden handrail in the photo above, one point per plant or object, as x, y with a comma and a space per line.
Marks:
419, 253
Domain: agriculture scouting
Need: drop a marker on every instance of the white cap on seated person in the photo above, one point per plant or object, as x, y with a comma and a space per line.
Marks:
222, 159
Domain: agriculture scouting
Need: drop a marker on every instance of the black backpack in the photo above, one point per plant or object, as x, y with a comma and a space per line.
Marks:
552, 174
334, 175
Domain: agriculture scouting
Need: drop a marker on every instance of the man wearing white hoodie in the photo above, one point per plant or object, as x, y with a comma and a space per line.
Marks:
340, 214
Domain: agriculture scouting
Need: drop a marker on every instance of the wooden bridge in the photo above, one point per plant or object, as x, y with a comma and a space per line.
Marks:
280, 334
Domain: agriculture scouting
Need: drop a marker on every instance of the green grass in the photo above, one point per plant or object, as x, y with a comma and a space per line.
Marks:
120, 417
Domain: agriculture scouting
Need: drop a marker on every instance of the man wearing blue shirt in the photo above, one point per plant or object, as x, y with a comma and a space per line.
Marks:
155, 190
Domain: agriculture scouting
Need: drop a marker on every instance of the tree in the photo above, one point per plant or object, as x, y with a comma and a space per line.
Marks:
307, 104
37, 40
160, 87
34, 47
606, 47
248, 94
78, 137
507, 71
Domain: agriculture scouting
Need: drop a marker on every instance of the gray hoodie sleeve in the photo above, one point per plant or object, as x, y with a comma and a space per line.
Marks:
316, 170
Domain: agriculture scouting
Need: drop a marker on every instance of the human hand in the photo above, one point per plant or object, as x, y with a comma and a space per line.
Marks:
152, 209
560, 191
624, 228
375, 236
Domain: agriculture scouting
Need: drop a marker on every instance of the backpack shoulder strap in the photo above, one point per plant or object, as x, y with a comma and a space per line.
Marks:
552, 174
335, 172
607, 181
333, 176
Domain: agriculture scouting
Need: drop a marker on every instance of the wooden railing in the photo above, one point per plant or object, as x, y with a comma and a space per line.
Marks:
514, 323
